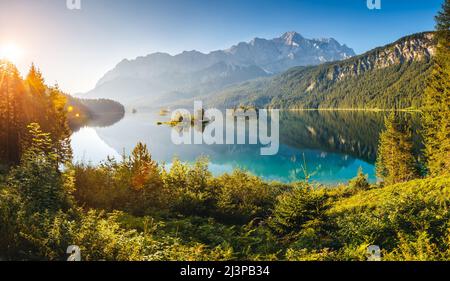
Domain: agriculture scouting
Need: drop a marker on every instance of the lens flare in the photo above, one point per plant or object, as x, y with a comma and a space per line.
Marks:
10, 52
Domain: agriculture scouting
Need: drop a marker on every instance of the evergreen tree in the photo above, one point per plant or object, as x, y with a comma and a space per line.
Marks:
38, 180
58, 124
35, 81
47, 107
145, 178
30, 101
11, 112
360, 182
300, 209
437, 101
395, 161
144, 169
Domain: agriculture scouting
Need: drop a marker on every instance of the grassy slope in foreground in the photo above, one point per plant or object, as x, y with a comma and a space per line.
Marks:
425, 190
409, 221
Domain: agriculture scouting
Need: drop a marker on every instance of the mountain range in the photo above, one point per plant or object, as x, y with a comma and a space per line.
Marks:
163, 78
392, 76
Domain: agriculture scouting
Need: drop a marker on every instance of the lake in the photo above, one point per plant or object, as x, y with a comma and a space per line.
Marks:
332, 145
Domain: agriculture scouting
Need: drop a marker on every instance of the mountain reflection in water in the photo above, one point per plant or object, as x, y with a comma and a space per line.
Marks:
333, 144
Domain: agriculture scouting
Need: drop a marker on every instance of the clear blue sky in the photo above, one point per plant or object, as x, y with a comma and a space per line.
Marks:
75, 48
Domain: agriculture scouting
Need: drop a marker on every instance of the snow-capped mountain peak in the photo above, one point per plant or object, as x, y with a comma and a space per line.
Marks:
193, 71
292, 38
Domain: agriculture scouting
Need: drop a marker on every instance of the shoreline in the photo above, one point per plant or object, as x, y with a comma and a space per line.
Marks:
354, 109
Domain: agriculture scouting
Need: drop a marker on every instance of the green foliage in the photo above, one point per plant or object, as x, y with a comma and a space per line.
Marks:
381, 216
133, 185
417, 247
360, 182
437, 101
396, 161
190, 187
242, 217
10, 205
243, 197
346, 253
136, 185
30, 100
301, 213
308, 255
37, 180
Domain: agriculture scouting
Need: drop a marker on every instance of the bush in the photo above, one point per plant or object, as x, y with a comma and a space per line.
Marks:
243, 197
133, 185
301, 214
360, 182
190, 188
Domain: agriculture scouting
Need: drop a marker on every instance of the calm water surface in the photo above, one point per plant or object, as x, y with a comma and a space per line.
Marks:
332, 144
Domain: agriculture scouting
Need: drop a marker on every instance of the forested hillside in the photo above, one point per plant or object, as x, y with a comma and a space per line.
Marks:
30, 100
393, 76
93, 112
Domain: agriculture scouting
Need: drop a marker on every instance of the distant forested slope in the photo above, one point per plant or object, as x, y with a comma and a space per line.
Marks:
393, 76
96, 112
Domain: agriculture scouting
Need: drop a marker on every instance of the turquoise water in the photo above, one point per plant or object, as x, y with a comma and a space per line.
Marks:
332, 146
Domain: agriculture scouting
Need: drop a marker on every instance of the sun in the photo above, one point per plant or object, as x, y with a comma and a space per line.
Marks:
11, 52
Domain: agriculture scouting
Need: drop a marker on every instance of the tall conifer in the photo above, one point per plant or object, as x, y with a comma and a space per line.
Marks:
396, 162
437, 100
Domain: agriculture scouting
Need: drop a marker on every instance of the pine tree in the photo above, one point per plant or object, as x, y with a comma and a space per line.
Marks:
11, 112
38, 143
36, 90
144, 169
35, 80
37, 179
437, 100
395, 161
301, 208
360, 182
58, 124
30, 101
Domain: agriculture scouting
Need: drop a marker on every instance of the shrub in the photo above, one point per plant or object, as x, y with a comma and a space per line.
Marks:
301, 212
243, 197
